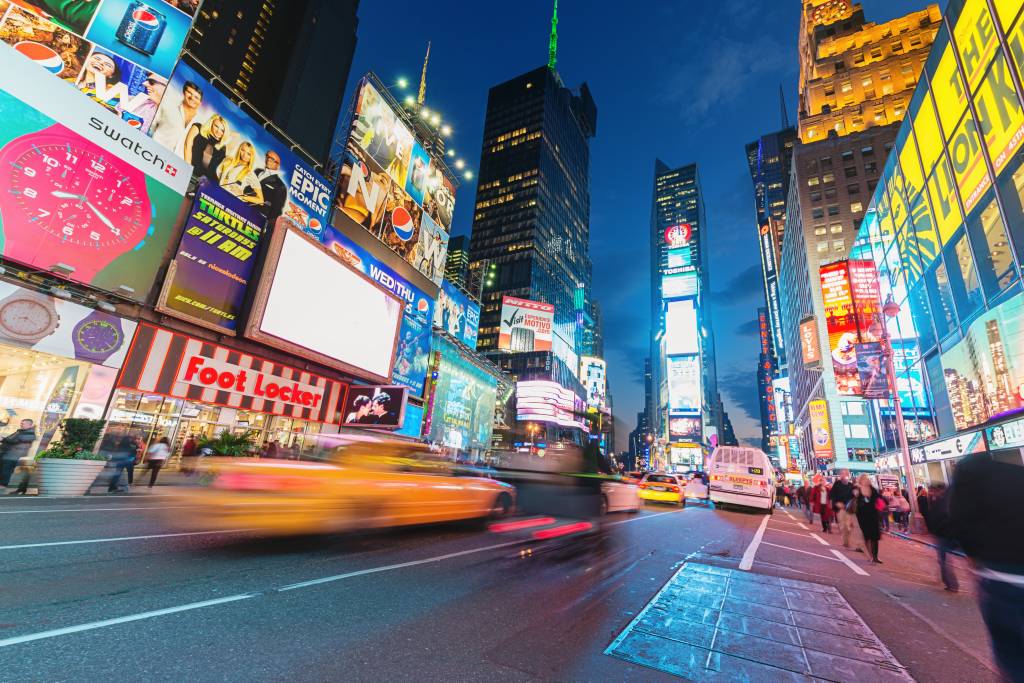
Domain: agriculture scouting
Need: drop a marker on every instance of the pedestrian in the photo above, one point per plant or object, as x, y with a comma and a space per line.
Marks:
188, 455
820, 503
939, 525
270, 450
923, 501
985, 517
123, 454
886, 495
841, 494
808, 509
899, 506
13, 448
870, 506
157, 458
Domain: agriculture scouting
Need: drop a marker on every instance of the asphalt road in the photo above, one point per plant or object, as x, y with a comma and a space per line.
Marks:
445, 602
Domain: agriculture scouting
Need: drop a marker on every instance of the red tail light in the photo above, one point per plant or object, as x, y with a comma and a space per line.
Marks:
522, 524
673, 489
643, 486
543, 534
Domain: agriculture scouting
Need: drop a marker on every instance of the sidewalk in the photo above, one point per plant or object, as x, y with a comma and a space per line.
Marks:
99, 487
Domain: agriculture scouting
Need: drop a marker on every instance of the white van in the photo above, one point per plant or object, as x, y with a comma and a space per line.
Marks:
741, 476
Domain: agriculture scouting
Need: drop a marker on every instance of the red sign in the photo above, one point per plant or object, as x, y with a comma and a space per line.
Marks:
866, 300
841, 323
809, 342
179, 366
678, 235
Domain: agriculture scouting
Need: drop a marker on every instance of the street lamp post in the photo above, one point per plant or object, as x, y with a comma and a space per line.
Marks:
891, 309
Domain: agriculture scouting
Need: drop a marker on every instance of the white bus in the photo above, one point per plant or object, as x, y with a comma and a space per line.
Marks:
741, 476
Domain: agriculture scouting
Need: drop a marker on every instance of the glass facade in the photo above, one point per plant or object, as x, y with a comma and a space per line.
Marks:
945, 228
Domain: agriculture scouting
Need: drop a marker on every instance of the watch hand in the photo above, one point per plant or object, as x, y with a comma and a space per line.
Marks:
103, 219
68, 195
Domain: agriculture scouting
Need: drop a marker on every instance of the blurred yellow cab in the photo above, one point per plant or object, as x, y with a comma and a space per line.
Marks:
365, 484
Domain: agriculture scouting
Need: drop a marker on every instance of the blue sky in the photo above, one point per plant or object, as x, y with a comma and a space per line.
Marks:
680, 80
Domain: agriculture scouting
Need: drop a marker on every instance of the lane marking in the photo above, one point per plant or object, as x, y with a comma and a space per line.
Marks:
805, 552
748, 555
848, 562
118, 538
90, 626
633, 519
115, 509
819, 539
791, 533
41, 635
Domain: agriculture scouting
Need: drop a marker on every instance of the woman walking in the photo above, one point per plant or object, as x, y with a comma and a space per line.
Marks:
820, 504
157, 457
870, 506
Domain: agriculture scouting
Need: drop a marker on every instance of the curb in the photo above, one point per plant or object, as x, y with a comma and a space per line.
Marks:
908, 537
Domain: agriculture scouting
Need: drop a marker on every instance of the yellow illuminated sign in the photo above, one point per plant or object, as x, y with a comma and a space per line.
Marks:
911, 167
1007, 11
944, 208
1015, 41
949, 91
976, 41
999, 114
897, 202
924, 231
926, 130
968, 165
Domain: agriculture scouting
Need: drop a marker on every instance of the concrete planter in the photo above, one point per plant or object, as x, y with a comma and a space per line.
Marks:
59, 477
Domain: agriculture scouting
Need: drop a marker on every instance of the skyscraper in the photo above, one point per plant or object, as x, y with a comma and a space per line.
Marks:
456, 268
765, 388
255, 48
686, 413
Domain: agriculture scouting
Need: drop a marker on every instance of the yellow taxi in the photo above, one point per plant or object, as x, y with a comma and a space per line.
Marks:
661, 487
365, 485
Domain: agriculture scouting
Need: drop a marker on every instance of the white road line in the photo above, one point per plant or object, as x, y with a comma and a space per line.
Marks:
791, 533
805, 552
41, 635
845, 560
748, 556
115, 509
819, 539
633, 519
118, 538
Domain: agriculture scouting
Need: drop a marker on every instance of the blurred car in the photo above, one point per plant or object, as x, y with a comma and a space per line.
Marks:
661, 487
695, 487
632, 477
620, 496
365, 485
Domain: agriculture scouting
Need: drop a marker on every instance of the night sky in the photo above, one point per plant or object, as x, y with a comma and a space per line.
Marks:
684, 81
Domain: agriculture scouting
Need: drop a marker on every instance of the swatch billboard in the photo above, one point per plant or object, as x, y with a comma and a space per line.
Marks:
392, 187
457, 314
207, 279
230, 149
119, 53
85, 195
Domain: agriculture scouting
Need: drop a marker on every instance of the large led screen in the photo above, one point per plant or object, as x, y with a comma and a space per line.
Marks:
393, 187
525, 325
207, 279
841, 322
311, 301
594, 375
546, 401
84, 194
681, 336
684, 385
462, 415
227, 147
457, 314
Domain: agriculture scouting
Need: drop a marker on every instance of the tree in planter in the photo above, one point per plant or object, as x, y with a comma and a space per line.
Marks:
78, 440
230, 445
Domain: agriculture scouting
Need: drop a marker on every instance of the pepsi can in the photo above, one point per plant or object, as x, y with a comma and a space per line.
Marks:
141, 27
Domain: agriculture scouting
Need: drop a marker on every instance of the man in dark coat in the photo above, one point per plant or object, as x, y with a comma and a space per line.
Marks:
14, 447
275, 192
985, 518
839, 495
938, 522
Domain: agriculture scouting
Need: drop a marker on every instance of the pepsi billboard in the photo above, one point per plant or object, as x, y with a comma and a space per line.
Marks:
392, 187
119, 53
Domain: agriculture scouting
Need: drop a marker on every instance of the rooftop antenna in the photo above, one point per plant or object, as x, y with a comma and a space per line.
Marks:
423, 78
782, 108
553, 40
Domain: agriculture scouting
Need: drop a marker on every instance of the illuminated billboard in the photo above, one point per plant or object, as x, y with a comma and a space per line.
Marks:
457, 314
679, 285
393, 187
85, 194
118, 53
594, 375
356, 330
841, 322
375, 407
229, 148
809, 342
684, 385
550, 402
684, 429
208, 277
821, 432
463, 403
681, 336
525, 325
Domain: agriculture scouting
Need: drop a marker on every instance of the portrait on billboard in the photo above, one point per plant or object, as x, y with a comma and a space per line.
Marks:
378, 131
841, 323
128, 90
873, 370
431, 251
376, 407
457, 315
419, 174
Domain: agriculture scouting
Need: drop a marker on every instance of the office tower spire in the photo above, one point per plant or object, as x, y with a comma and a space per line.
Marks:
423, 78
553, 40
782, 108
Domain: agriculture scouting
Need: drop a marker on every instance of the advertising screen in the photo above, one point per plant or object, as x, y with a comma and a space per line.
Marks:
594, 375
119, 53
226, 146
684, 428
841, 322
679, 285
412, 355
867, 303
462, 415
681, 335
545, 401
456, 314
392, 187
207, 279
412, 423
85, 195
809, 342
525, 325
684, 385
355, 330
375, 407
679, 258
821, 433
873, 370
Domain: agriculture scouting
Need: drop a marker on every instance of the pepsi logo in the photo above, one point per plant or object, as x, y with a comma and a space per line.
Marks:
134, 123
314, 224
146, 18
42, 55
401, 221
422, 305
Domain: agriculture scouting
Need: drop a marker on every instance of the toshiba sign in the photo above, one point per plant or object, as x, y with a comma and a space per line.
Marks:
173, 364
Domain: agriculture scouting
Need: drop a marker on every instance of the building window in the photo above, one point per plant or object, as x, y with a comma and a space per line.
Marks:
817, 212
830, 193
836, 228
826, 163
822, 247
830, 90
846, 87
833, 209
871, 167
828, 178
850, 171
848, 156
839, 245
876, 53
812, 181
867, 151
853, 189
992, 248
816, 196
856, 207
819, 230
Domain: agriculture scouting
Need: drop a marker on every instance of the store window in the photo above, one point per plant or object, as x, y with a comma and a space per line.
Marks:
940, 299
1011, 190
939, 395
963, 278
922, 316
991, 247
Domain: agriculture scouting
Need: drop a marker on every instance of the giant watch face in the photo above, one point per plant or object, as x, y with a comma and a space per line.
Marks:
98, 337
25, 318
78, 192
